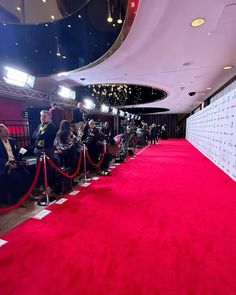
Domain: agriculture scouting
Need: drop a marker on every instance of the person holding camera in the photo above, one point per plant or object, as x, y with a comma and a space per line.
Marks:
14, 178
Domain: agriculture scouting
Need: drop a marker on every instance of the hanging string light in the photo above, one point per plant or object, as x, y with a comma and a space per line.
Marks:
120, 21
58, 53
109, 17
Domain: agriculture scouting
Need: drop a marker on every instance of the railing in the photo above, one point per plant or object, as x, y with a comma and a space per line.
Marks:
20, 130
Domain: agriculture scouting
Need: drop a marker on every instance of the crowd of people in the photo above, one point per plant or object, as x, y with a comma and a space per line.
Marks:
62, 141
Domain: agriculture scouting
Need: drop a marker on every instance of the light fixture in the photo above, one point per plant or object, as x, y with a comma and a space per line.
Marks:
198, 22
121, 113
208, 88
114, 111
89, 104
66, 92
18, 78
228, 67
104, 108
62, 74
119, 21
52, 17
58, 53
109, 17
44, 1
69, 26
18, 8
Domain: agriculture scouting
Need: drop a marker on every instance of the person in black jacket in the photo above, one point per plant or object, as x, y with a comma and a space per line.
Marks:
45, 134
78, 119
58, 114
14, 179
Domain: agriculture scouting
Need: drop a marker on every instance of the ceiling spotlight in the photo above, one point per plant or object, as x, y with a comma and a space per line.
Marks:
119, 21
52, 17
198, 22
110, 19
121, 113
114, 111
66, 92
89, 104
18, 8
228, 67
104, 108
18, 78
44, 1
208, 88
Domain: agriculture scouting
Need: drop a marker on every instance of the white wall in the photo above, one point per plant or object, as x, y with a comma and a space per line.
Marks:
213, 130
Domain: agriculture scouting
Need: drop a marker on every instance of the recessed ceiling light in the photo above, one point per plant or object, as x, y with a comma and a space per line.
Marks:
69, 26
110, 19
52, 17
46, 25
44, 1
18, 8
208, 88
79, 16
198, 22
228, 67
119, 21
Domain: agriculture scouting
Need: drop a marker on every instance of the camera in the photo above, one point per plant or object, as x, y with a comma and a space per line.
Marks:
192, 93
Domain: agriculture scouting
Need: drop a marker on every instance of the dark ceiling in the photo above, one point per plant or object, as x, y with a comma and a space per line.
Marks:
63, 45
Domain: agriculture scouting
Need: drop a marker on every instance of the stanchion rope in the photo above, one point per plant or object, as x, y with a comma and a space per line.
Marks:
96, 165
26, 195
59, 170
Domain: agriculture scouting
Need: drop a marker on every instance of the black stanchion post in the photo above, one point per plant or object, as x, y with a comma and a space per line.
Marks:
85, 168
47, 199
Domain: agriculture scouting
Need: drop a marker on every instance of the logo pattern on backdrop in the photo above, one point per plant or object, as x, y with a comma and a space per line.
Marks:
213, 131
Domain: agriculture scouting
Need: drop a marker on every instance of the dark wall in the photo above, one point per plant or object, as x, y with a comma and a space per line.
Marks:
169, 119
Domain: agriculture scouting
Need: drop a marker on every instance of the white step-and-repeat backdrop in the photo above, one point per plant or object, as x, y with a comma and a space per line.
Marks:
213, 130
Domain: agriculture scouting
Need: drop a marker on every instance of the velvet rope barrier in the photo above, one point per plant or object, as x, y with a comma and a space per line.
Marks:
59, 170
96, 165
26, 195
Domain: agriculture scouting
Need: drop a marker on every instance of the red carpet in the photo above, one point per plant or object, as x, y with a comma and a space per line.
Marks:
162, 223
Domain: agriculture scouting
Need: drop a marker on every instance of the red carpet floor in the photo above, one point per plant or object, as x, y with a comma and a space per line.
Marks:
162, 223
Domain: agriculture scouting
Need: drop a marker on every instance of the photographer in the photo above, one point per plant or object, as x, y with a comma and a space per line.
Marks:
14, 178
93, 141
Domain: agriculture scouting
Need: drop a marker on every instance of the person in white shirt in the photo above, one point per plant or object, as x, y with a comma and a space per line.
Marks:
14, 180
